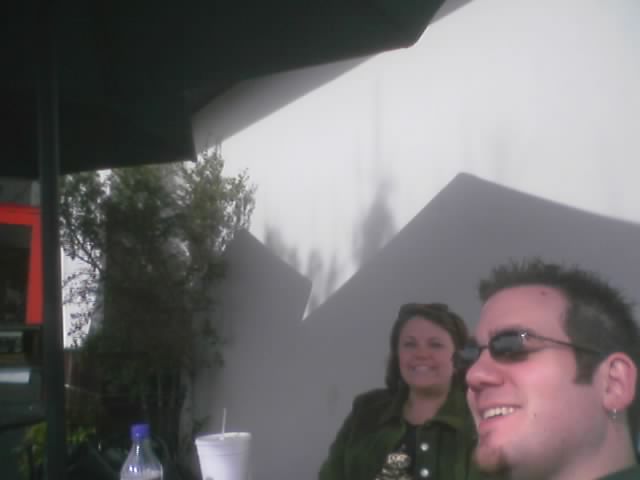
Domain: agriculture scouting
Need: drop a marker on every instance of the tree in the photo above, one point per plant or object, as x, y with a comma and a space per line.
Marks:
152, 241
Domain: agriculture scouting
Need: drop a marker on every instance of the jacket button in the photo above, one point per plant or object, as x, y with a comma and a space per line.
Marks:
424, 446
424, 473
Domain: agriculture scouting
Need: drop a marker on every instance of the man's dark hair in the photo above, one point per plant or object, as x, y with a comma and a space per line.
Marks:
439, 314
598, 315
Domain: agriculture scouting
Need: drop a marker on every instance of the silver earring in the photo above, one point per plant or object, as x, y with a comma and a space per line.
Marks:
613, 414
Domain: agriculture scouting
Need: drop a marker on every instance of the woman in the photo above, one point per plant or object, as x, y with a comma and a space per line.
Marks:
419, 426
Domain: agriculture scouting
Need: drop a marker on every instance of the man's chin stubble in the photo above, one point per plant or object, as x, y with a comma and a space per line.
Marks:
492, 461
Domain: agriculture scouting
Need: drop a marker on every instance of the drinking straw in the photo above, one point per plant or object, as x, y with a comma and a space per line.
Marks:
224, 419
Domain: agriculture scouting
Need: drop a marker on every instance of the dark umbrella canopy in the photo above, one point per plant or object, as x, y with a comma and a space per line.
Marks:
98, 84
131, 73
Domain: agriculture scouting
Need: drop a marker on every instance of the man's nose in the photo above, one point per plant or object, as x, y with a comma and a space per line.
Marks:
484, 371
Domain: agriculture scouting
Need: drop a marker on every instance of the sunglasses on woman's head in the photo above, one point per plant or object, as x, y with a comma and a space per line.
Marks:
511, 346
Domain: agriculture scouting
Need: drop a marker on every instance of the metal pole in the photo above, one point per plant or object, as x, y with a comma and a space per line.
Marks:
48, 153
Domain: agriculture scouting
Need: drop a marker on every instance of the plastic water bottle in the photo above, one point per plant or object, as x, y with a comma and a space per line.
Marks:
141, 463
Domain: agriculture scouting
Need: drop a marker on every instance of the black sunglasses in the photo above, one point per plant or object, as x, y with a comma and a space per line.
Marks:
510, 346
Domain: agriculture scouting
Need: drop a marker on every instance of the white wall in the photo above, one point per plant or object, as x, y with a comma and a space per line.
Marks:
538, 96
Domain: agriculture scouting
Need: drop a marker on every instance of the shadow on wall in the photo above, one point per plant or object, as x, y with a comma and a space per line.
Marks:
263, 299
322, 278
291, 383
376, 229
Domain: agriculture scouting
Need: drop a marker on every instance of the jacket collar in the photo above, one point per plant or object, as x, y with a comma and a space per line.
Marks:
453, 411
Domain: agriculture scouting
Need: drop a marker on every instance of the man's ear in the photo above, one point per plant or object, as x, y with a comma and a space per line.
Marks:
619, 376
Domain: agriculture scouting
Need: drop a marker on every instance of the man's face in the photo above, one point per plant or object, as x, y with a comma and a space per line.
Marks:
533, 420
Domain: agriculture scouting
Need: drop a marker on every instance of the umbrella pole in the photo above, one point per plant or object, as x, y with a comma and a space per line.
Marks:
48, 153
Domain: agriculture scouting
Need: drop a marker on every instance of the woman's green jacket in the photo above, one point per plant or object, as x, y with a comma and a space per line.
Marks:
375, 428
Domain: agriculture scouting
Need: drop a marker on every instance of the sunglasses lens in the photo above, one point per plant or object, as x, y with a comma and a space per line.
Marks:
507, 346
466, 356
504, 347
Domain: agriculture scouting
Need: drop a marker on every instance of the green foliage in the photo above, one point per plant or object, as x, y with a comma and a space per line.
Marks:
35, 440
152, 241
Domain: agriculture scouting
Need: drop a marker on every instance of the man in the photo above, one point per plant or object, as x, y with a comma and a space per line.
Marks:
553, 376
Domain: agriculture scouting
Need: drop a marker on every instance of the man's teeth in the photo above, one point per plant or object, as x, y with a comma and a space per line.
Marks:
497, 412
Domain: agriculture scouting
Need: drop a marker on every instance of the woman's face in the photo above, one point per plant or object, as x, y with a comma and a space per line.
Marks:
425, 353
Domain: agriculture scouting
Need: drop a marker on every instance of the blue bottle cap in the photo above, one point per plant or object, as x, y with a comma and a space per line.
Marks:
139, 430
